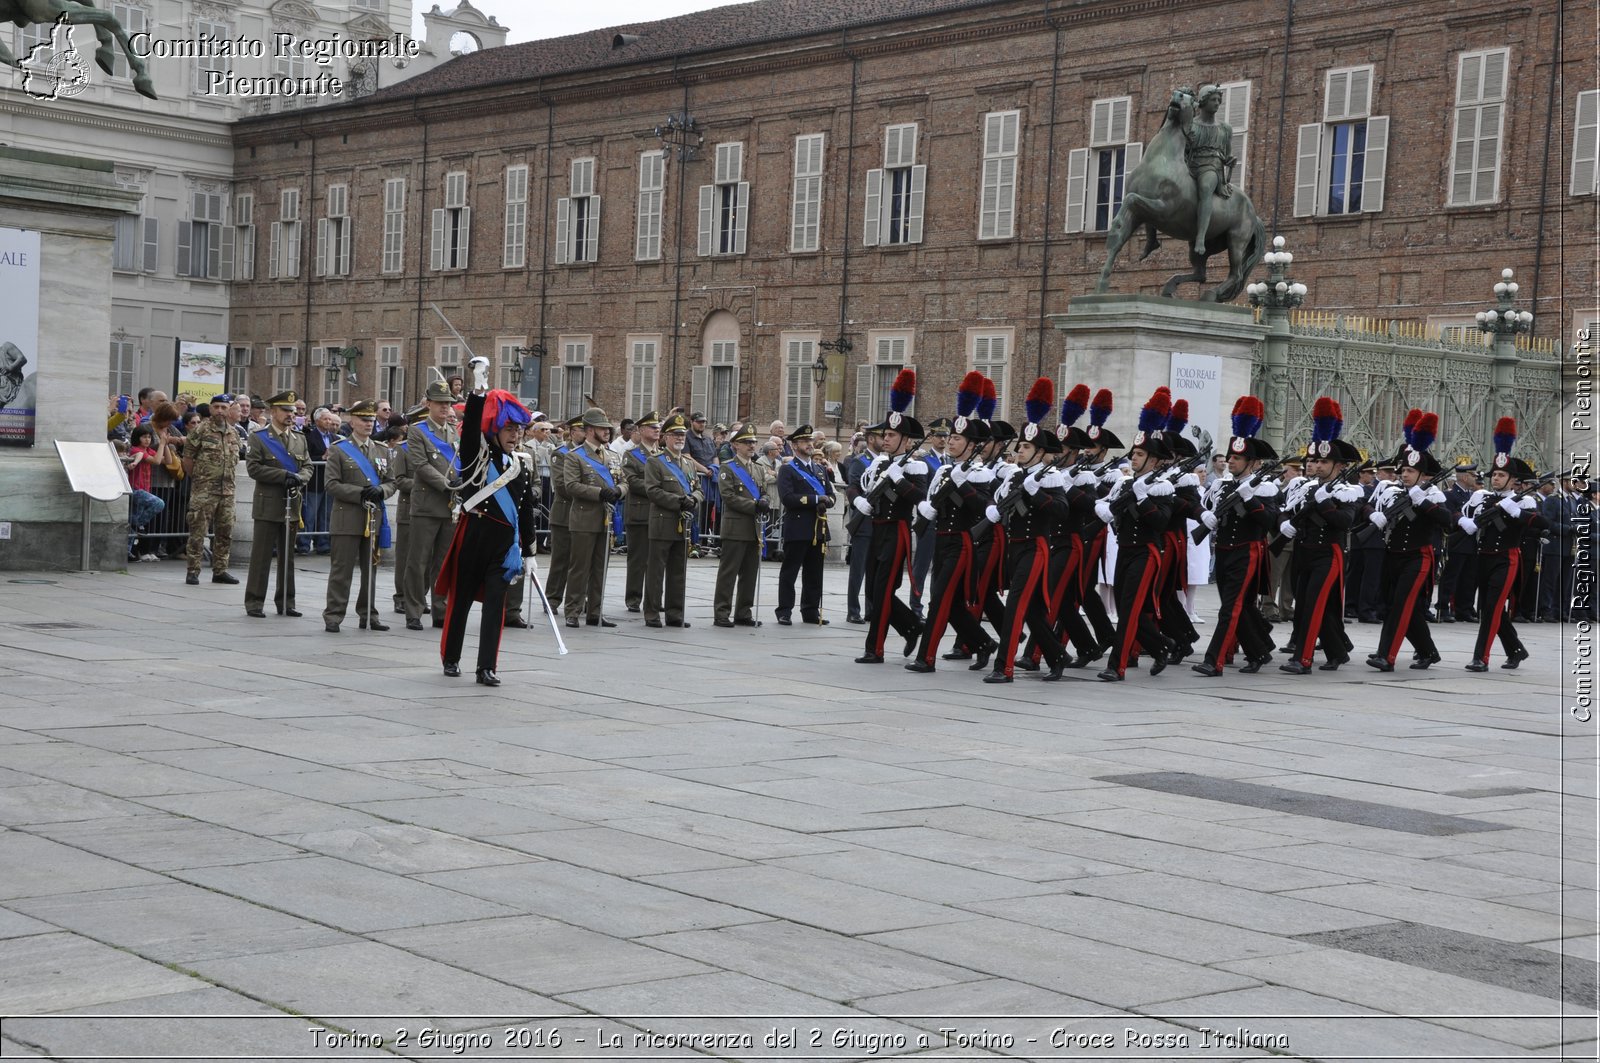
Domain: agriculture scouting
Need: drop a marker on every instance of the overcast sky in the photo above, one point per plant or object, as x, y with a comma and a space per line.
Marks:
531, 21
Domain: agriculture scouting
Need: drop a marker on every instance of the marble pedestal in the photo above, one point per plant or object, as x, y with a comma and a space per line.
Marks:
73, 203
1126, 343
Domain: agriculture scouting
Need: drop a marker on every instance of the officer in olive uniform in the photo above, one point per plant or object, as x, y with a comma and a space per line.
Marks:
358, 478
210, 460
671, 484
560, 541
433, 464
591, 489
636, 513
404, 480
745, 506
277, 460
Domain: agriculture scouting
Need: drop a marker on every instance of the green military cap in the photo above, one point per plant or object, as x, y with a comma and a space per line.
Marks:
439, 391
364, 408
941, 427
649, 420
746, 434
805, 431
676, 423
575, 421
284, 399
416, 413
595, 417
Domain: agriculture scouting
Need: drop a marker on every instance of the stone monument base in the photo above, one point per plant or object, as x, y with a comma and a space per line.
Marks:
1127, 342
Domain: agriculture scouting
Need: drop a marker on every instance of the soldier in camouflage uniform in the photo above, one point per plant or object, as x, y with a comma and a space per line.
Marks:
210, 461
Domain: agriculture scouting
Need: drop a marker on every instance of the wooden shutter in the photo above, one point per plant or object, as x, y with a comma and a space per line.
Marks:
1131, 156
1077, 187
466, 237
272, 249
866, 393
185, 252
152, 245
1372, 180
591, 236
871, 224
900, 146
1308, 157
1586, 145
322, 247
919, 186
557, 399
699, 389
436, 259
1236, 113
741, 217
708, 220
224, 254
563, 231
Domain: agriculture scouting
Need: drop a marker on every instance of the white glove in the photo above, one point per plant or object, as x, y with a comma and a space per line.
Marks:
926, 509
1140, 489
958, 474
1511, 506
1161, 489
1417, 495
1054, 478
1288, 530
863, 505
1030, 485
1436, 496
1468, 525
1323, 493
1102, 509
1380, 521
981, 475
1209, 519
480, 374
992, 515
1266, 490
1084, 479
1477, 498
1188, 479
1245, 490
896, 472
1003, 490
1111, 475
1527, 503
1347, 492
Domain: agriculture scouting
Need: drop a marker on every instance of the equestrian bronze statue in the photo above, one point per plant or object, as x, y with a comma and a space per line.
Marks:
1182, 188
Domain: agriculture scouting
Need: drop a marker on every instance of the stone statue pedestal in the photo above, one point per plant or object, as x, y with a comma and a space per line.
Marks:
1127, 342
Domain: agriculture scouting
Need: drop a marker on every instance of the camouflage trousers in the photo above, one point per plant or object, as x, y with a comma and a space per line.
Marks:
213, 508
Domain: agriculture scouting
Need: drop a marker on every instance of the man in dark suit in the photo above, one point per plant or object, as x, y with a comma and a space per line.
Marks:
321, 433
1458, 583
805, 488
1557, 506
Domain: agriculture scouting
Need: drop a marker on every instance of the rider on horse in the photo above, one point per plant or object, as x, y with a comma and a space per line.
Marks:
1209, 153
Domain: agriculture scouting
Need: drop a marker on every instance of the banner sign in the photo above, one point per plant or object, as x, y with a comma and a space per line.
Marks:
19, 336
1198, 378
202, 369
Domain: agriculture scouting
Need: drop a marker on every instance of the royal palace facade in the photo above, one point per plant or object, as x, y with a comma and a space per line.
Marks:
701, 210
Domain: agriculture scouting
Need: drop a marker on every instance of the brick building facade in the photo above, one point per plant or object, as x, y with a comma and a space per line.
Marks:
927, 181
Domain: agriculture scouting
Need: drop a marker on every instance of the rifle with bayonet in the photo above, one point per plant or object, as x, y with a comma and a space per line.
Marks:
1232, 502
1349, 476
1494, 517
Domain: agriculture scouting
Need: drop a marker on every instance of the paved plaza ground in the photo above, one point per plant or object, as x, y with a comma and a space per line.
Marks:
740, 844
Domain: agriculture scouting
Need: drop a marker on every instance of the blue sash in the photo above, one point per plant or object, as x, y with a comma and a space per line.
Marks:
277, 450
376, 481
638, 454
511, 564
677, 472
811, 481
933, 461
605, 473
444, 448
737, 468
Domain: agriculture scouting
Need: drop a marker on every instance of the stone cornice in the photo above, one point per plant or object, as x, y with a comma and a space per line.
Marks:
125, 123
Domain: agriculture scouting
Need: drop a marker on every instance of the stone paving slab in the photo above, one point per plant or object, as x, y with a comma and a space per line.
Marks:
709, 822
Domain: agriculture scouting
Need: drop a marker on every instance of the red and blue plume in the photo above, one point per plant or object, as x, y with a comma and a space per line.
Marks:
1040, 398
1424, 432
1153, 417
903, 390
1505, 434
1248, 415
1075, 404
1100, 408
1178, 419
1412, 417
969, 394
501, 408
990, 399
1325, 420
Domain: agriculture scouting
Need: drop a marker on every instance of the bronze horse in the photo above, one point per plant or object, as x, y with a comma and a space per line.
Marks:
1160, 196
107, 30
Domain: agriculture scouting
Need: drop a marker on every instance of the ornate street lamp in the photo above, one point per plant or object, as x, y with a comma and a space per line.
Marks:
681, 135
343, 361
537, 351
1278, 292
1502, 324
1275, 297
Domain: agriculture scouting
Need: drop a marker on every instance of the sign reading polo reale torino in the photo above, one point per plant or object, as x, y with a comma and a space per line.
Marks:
19, 335
1198, 378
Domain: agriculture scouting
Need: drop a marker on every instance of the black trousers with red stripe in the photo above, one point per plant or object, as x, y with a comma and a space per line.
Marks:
1029, 563
1094, 608
1409, 577
1241, 622
953, 581
1499, 581
1137, 627
1170, 608
886, 565
1065, 582
1318, 574
478, 571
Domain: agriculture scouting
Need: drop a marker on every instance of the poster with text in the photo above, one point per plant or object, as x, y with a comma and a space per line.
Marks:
202, 369
19, 336
1198, 378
